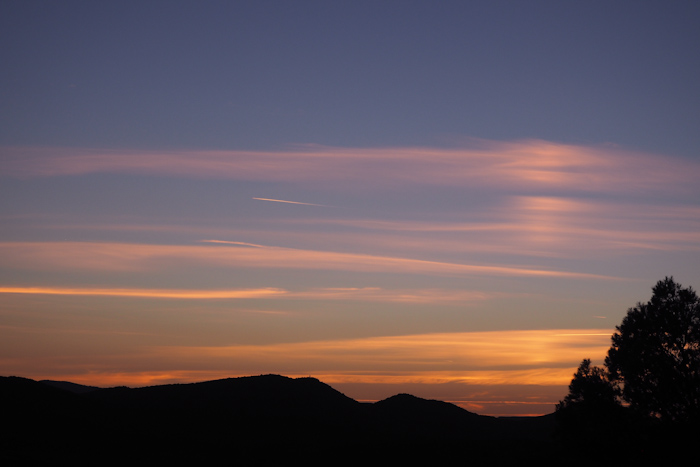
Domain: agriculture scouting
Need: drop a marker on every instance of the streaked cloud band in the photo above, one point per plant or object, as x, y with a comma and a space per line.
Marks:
520, 165
127, 256
148, 293
335, 293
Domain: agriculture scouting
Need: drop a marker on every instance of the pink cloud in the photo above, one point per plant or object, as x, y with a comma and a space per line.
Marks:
522, 165
132, 257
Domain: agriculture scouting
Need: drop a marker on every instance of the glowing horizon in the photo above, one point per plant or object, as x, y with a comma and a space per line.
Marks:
383, 363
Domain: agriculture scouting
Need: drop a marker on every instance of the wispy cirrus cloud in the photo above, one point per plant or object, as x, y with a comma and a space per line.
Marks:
488, 372
375, 294
268, 292
132, 257
414, 295
518, 226
510, 357
520, 165
540, 225
486, 358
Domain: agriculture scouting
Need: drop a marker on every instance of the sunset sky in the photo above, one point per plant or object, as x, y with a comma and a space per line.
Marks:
455, 199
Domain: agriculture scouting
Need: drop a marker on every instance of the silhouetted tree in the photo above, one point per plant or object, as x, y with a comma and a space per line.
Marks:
590, 388
655, 354
591, 413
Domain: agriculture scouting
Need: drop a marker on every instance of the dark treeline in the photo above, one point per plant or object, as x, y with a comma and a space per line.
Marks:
642, 408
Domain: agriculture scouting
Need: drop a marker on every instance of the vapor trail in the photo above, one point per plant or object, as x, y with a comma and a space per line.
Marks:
290, 202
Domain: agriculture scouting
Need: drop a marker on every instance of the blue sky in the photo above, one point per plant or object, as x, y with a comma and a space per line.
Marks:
479, 190
267, 74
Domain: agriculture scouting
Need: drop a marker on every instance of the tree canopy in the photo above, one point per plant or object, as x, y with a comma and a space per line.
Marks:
655, 354
589, 388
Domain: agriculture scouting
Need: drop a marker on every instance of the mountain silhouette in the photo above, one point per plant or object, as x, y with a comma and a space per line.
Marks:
70, 387
255, 420
259, 395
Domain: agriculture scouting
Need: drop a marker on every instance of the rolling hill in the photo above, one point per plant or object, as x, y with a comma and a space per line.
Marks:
255, 420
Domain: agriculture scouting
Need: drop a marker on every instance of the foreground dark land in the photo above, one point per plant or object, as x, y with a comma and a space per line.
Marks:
275, 420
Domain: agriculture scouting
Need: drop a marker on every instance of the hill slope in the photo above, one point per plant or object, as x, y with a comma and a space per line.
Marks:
262, 420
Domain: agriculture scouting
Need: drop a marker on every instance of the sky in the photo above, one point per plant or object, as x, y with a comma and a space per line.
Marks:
458, 200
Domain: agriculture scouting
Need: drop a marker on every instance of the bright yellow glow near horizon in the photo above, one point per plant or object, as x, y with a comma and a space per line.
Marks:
534, 357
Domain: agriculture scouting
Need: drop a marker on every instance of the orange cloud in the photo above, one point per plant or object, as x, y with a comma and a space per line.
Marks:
495, 372
495, 357
149, 293
376, 294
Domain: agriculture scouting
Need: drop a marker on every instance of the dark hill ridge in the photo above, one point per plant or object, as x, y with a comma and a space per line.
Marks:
70, 387
408, 407
268, 393
270, 416
409, 415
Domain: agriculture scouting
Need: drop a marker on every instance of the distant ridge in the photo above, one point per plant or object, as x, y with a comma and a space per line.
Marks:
271, 395
253, 420
70, 387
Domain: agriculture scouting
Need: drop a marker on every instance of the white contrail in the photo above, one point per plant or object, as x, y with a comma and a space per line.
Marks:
290, 202
234, 243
